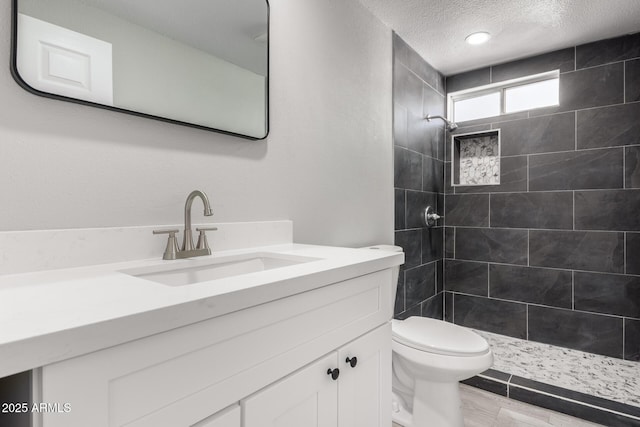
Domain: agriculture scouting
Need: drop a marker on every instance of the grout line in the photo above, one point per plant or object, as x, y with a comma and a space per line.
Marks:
528, 173
528, 248
573, 201
624, 82
488, 281
566, 399
575, 58
489, 210
624, 167
624, 253
623, 340
573, 290
575, 129
527, 319
553, 307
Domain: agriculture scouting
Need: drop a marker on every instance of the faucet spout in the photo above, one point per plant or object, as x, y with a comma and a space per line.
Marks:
187, 243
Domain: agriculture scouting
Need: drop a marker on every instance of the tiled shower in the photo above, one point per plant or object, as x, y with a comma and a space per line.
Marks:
552, 253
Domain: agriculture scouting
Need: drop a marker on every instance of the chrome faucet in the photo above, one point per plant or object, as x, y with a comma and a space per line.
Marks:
188, 250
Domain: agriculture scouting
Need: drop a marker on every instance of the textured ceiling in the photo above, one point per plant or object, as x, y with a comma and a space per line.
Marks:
436, 29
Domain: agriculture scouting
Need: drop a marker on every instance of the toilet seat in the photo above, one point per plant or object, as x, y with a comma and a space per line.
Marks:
438, 337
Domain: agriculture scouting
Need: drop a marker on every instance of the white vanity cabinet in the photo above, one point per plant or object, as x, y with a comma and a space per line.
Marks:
271, 358
358, 397
229, 417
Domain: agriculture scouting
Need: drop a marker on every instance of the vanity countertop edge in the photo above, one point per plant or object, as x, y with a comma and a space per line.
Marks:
55, 315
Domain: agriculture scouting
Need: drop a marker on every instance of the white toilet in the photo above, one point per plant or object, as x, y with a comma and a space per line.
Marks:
429, 358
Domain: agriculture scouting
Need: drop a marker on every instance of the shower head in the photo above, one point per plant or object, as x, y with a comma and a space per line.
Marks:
451, 126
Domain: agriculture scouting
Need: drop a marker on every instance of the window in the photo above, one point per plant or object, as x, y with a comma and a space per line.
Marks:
526, 93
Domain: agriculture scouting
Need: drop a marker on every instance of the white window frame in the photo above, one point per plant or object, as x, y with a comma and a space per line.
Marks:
499, 87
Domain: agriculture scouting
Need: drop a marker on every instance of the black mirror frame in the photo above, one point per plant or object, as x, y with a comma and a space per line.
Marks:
25, 86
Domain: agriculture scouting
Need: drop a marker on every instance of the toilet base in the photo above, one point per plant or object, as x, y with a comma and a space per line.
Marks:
434, 405
400, 414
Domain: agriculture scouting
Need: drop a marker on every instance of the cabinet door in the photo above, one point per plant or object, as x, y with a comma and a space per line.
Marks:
307, 398
365, 387
229, 417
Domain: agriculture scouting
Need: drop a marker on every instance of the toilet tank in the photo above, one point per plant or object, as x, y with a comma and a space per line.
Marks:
395, 271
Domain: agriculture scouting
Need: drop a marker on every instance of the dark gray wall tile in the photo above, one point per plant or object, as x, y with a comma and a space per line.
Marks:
466, 277
500, 317
579, 250
411, 243
449, 242
467, 209
607, 293
417, 202
420, 284
579, 170
422, 136
632, 339
592, 87
468, 80
494, 119
632, 167
533, 210
494, 245
407, 89
448, 189
529, 284
562, 60
399, 209
632, 80
609, 50
407, 169
513, 177
448, 307
538, 135
576, 396
433, 176
570, 407
440, 276
406, 55
632, 251
608, 210
399, 305
433, 103
487, 385
609, 126
592, 333
416, 310
432, 244
399, 125
433, 307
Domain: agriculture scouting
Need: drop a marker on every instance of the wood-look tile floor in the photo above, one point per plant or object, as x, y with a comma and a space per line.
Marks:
484, 409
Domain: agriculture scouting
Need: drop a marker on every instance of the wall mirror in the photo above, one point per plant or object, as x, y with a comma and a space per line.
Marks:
201, 63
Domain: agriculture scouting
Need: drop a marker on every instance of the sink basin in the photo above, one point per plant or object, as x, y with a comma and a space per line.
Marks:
204, 270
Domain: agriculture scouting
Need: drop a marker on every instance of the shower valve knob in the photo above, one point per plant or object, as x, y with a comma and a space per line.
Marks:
430, 216
335, 373
352, 361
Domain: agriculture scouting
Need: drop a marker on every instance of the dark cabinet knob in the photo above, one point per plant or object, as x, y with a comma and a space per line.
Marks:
335, 373
353, 361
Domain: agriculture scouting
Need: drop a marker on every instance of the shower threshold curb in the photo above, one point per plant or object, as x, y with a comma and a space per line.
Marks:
579, 405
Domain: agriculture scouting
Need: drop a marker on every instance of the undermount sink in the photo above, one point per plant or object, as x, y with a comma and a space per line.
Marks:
204, 270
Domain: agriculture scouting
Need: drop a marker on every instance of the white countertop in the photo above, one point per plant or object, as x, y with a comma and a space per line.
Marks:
54, 315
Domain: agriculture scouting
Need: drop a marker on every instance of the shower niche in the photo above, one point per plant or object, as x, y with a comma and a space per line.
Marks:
476, 158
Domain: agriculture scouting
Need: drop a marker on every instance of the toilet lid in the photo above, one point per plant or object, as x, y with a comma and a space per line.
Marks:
437, 336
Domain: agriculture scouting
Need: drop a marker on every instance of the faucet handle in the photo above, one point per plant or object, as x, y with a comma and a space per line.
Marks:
172, 245
202, 238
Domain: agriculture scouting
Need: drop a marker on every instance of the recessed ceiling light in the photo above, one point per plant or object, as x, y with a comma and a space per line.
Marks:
478, 38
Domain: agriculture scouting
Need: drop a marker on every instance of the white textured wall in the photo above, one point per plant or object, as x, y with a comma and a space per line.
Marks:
327, 163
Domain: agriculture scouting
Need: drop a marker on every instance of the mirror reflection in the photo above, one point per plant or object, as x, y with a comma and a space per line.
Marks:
196, 62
